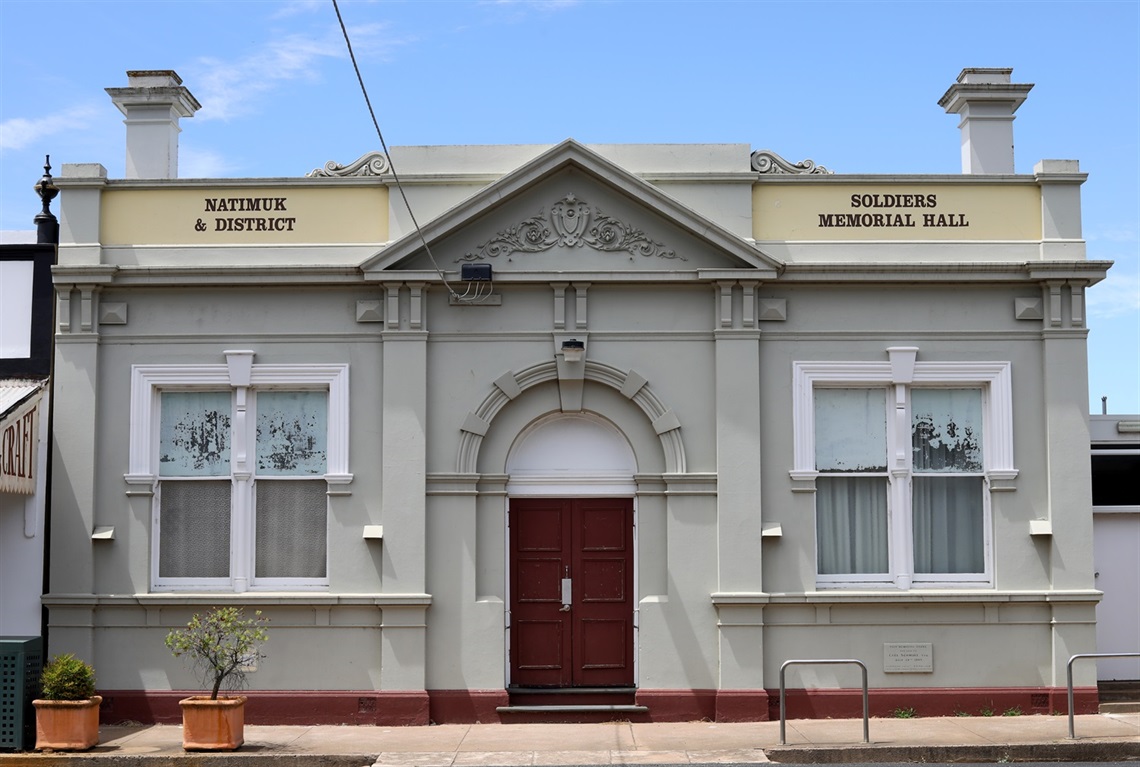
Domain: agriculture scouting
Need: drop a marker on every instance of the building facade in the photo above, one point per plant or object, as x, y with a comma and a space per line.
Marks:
643, 421
25, 368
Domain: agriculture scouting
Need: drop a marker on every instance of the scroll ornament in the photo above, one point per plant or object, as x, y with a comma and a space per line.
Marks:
767, 161
572, 225
371, 164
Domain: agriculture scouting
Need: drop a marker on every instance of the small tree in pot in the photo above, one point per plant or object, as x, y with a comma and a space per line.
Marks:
222, 646
67, 713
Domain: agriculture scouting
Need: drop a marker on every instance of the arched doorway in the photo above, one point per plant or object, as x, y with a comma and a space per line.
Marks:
572, 555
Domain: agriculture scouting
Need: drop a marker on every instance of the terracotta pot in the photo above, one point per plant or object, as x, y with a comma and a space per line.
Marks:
67, 725
213, 725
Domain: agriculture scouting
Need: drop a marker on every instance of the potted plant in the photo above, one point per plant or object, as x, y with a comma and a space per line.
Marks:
222, 646
67, 714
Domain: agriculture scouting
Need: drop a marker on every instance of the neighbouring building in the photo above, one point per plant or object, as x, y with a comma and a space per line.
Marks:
25, 364
1116, 536
623, 425
26, 301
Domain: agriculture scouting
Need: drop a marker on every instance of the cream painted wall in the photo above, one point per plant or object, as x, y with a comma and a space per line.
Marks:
244, 215
977, 212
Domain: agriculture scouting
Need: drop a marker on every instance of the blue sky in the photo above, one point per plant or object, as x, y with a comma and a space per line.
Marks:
853, 86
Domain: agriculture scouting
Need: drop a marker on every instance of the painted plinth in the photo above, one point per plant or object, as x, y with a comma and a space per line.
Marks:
67, 725
213, 725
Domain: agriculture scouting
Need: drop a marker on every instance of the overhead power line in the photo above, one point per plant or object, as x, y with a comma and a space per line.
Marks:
384, 146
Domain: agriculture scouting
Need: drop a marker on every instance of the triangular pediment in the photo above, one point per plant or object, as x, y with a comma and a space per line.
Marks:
572, 210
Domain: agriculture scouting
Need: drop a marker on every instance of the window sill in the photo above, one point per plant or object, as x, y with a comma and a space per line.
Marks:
892, 595
252, 598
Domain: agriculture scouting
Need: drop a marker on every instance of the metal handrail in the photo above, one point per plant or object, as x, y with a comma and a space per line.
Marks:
1069, 676
862, 666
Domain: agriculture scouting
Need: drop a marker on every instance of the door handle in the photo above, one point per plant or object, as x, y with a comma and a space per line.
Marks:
566, 591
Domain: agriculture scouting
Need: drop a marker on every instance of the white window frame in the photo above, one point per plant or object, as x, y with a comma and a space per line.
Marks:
147, 384
898, 376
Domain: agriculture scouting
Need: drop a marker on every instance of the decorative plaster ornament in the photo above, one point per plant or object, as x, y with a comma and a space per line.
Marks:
571, 225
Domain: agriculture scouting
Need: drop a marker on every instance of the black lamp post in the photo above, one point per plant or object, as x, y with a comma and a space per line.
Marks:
47, 227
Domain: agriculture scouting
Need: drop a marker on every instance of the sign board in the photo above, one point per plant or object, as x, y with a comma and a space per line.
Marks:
18, 447
908, 658
930, 211
280, 215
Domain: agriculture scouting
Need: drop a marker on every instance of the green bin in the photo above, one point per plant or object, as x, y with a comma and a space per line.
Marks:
21, 659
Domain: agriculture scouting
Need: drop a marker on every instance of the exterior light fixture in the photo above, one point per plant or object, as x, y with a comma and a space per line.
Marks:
573, 349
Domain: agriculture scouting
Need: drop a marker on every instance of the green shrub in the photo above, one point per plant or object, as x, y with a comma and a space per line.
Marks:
66, 677
221, 646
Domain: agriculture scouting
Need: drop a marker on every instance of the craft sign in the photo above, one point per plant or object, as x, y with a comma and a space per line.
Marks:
18, 451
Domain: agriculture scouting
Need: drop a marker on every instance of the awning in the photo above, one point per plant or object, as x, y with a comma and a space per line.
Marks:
19, 434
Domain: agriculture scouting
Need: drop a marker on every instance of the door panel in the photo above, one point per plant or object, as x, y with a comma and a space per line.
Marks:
587, 642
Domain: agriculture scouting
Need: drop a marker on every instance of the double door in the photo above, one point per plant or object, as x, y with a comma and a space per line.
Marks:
572, 600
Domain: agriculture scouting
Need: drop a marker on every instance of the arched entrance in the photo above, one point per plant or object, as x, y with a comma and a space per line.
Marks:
571, 553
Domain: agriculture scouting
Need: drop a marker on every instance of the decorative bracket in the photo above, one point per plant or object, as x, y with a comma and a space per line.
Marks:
370, 164
767, 161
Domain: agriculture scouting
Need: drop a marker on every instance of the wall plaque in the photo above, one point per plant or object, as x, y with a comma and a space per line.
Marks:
908, 658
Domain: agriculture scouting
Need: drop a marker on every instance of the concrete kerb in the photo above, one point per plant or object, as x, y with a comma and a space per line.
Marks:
1074, 751
948, 739
195, 759
1088, 751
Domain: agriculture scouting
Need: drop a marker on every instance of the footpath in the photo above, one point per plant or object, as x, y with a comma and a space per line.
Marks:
1099, 737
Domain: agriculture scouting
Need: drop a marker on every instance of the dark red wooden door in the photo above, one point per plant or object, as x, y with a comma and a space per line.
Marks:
571, 592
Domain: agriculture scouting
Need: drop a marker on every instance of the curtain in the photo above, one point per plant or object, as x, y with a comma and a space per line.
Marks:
947, 520
194, 529
851, 525
291, 529
946, 508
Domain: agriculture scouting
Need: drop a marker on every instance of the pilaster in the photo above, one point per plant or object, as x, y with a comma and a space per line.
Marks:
404, 385
1068, 473
738, 438
740, 627
73, 478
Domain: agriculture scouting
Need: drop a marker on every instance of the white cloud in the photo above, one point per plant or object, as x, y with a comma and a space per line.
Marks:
17, 236
19, 132
1124, 233
203, 163
1117, 296
541, 5
296, 7
229, 89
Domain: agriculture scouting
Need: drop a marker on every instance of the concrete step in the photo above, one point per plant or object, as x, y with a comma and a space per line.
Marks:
572, 696
1119, 691
573, 714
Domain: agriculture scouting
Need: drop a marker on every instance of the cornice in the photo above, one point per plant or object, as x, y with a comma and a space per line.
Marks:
338, 182
1089, 272
86, 274
1093, 271
191, 276
894, 179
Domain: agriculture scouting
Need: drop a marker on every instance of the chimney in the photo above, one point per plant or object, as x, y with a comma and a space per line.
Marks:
986, 100
153, 102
